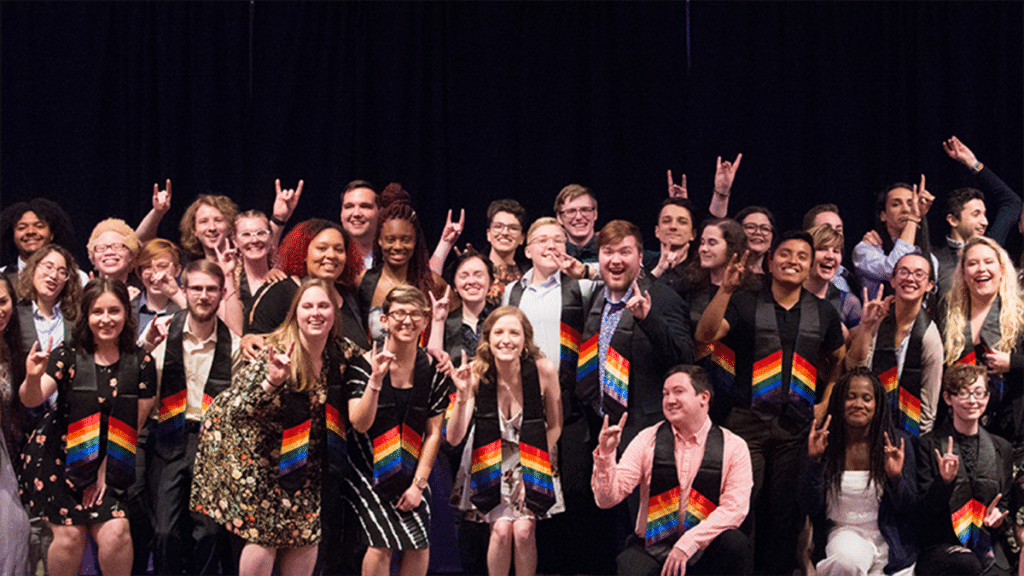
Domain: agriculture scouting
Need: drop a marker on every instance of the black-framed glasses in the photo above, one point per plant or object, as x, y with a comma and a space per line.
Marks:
402, 315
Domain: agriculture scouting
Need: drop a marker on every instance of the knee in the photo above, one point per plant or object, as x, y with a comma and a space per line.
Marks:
733, 551
68, 538
524, 532
114, 535
501, 534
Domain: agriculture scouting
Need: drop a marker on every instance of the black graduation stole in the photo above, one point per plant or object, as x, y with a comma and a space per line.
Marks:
769, 393
903, 391
615, 385
569, 332
85, 423
398, 438
717, 358
663, 506
485, 479
970, 497
173, 386
990, 332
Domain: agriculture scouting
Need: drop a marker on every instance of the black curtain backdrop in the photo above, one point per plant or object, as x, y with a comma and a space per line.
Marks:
468, 102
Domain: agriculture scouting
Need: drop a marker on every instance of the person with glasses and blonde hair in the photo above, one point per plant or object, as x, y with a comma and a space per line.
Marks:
397, 399
113, 246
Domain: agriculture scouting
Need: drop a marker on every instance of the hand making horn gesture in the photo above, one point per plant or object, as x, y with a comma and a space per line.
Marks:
380, 362
993, 517
677, 190
608, 439
285, 200
893, 457
227, 256
452, 230
463, 378
162, 198
640, 303
949, 463
439, 306
279, 366
725, 173
35, 362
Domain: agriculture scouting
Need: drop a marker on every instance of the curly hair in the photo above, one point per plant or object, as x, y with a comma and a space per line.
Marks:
396, 205
291, 254
62, 232
484, 360
226, 206
82, 334
958, 304
70, 294
881, 422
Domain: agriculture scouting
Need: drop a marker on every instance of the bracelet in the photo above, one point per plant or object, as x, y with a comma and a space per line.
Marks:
460, 402
278, 221
977, 167
377, 389
274, 386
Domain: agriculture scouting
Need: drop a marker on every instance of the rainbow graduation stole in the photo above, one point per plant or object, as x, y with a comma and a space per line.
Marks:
485, 477
771, 391
903, 391
398, 438
85, 429
967, 506
174, 387
613, 389
663, 506
721, 367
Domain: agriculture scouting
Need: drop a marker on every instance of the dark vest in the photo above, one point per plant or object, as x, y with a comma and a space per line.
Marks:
28, 328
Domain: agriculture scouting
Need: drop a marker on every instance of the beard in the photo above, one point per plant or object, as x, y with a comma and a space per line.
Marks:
200, 316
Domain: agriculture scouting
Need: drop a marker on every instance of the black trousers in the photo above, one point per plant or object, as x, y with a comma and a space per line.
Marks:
776, 451
730, 553
140, 505
184, 541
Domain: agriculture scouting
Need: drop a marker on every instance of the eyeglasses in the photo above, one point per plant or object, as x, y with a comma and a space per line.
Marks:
763, 229
115, 247
198, 290
976, 394
545, 240
573, 212
919, 275
258, 234
402, 315
499, 227
49, 268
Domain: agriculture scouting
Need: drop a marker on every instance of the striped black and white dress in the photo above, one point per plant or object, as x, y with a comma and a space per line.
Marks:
384, 525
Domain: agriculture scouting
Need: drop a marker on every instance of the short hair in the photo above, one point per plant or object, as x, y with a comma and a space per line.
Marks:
618, 230
541, 222
406, 294
222, 204
961, 376
46, 210
931, 269
131, 240
824, 236
792, 235
294, 248
356, 184
811, 214
157, 248
742, 214
206, 267
698, 377
572, 192
82, 334
70, 294
468, 254
958, 198
677, 201
506, 205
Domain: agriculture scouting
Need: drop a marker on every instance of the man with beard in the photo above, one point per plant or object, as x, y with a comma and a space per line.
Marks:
789, 346
193, 359
359, 206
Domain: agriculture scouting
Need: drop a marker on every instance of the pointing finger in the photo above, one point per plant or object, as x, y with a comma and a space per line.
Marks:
622, 421
950, 450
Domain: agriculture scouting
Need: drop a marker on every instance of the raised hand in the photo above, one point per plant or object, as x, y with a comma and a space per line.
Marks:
669, 258
993, 517
734, 271
725, 173
227, 256
463, 378
156, 332
285, 200
452, 230
817, 439
439, 306
875, 310
35, 362
640, 303
571, 266
949, 463
923, 200
380, 362
957, 151
279, 366
608, 438
676, 190
164, 283
162, 198
872, 238
893, 457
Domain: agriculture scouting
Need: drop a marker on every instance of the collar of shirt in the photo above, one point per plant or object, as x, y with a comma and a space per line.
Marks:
697, 437
954, 244
38, 315
21, 264
527, 280
190, 335
617, 303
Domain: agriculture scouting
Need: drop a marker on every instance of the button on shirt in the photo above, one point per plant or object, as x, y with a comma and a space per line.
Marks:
612, 482
542, 304
197, 356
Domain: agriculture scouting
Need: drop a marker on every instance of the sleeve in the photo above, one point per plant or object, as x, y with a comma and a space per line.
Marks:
934, 491
833, 336
1005, 203
440, 387
357, 376
875, 265
147, 376
903, 489
812, 486
667, 326
253, 399
931, 376
612, 482
57, 367
851, 310
733, 504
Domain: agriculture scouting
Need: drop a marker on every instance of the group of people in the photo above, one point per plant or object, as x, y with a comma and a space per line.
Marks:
737, 401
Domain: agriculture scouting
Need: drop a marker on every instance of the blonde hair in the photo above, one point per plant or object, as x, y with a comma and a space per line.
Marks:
484, 360
227, 208
1011, 311
541, 222
280, 340
825, 236
131, 240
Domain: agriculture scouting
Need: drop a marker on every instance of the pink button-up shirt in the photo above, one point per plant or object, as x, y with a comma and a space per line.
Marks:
613, 482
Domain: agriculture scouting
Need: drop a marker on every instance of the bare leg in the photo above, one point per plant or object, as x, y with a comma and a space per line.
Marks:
65, 553
415, 562
377, 562
524, 532
298, 561
256, 560
114, 546
499, 549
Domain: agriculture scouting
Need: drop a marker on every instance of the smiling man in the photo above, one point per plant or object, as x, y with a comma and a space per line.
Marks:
789, 346
359, 207
576, 209
26, 227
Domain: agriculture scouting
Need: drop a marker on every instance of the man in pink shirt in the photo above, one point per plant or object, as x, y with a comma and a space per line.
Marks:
695, 482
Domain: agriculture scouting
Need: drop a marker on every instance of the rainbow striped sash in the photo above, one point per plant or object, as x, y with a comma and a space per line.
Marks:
662, 516
802, 383
294, 448
569, 344
387, 454
83, 443
588, 358
615, 384
121, 439
486, 467
909, 412
722, 368
697, 509
336, 435
902, 386
172, 414
766, 384
968, 522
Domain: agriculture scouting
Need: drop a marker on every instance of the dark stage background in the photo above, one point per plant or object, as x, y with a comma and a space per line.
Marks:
468, 102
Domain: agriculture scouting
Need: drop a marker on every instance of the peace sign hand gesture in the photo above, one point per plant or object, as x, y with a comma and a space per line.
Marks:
949, 463
817, 440
923, 200
893, 457
875, 310
676, 190
734, 271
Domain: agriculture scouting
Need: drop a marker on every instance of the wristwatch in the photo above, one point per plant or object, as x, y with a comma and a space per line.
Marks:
420, 483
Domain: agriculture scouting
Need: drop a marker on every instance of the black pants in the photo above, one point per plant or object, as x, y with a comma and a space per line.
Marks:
730, 553
184, 541
776, 451
140, 505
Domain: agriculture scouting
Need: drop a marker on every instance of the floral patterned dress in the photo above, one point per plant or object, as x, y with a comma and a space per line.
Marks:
235, 478
44, 489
